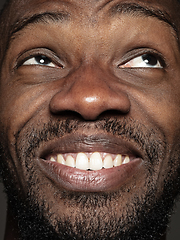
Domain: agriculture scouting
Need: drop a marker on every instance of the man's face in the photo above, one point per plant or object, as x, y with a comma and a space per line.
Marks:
90, 112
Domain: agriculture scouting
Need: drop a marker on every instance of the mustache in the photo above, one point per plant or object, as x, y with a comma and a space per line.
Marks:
149, 140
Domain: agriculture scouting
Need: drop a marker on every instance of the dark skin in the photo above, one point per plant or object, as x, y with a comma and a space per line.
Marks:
83, 62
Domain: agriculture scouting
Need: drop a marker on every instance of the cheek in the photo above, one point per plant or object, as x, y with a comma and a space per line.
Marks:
160, 110
17, 109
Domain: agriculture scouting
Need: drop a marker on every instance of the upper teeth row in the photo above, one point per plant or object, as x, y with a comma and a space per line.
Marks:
94, 162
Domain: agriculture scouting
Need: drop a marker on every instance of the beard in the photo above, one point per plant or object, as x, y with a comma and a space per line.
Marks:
101, 216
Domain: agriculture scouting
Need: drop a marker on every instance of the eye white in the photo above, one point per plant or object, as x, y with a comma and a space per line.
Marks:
143, 61
39, 60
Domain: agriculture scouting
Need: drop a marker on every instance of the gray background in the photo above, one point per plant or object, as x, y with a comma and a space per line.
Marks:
174, 233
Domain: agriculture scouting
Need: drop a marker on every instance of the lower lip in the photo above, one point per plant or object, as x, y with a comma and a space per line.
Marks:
74, 179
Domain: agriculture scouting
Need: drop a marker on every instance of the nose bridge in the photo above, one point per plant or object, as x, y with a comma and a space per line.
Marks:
90, 92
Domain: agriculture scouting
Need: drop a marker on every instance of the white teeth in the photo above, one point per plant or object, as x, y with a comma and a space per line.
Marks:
126, 160
108, 162
95, 161
82, 161
70, 161
52, 159
60, 159
118, 160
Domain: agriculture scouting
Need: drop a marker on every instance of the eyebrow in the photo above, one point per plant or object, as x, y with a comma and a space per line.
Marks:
45, 17
139, 10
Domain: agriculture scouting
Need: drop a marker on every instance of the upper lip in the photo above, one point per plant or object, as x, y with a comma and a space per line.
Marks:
74, 143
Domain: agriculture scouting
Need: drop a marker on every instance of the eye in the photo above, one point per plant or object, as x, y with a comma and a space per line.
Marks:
39, 60
143, 61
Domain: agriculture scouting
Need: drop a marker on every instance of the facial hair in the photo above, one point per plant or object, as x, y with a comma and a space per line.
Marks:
91, 215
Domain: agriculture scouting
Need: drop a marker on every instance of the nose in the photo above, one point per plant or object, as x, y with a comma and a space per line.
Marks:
90, 92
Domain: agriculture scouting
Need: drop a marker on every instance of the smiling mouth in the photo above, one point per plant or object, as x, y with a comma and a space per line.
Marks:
91, 161
91, 171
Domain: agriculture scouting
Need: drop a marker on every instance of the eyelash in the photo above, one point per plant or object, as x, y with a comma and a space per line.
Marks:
124, 64
157, 56
41, 57
48, 55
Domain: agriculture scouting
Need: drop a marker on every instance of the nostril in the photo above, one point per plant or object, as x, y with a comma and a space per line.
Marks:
68, 114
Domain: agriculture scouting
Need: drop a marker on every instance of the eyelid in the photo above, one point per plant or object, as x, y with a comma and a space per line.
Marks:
25, 56
28, 61
140, 52
139, 62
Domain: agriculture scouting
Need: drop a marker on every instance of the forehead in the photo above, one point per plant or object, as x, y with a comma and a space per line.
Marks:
90, 8
91, 11
89, 4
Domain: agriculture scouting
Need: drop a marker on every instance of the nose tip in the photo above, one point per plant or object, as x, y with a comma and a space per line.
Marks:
90, 106
90, 97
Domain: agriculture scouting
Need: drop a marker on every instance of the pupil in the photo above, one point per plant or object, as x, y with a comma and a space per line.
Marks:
149, 59
42, 60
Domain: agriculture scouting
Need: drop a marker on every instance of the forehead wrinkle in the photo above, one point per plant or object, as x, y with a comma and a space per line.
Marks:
137, 10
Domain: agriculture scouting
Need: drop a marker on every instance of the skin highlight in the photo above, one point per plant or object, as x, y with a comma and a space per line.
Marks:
75, 86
